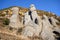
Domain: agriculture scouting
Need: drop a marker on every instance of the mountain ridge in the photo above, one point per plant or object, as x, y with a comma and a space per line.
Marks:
46, 21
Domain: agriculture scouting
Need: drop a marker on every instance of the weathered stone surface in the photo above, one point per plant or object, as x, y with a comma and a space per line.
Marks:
14, 19
55, 26
33, 24
28, 31
26, 18
36, 27
47, 32
32, 7
54, 21
33, 12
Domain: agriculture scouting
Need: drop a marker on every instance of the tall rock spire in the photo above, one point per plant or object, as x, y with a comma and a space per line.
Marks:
32, 7
32, 24
14, 19
34, 13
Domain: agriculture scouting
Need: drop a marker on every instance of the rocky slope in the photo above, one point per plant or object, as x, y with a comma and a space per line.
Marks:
18, 23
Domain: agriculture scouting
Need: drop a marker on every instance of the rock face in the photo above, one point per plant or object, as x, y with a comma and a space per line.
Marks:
35, 26
47, 31
14, 19
49, 26
32, 24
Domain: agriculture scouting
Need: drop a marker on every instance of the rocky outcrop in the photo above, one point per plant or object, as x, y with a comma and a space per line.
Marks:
35, 26
47, 31
14, 19
32, 25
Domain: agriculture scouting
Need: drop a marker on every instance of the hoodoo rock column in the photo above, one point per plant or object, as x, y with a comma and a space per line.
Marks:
14, 19
32, 23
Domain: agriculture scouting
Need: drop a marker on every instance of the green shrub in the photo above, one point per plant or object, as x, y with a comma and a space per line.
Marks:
6, 21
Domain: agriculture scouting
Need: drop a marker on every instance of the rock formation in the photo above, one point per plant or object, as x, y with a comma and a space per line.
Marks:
14, 19
33, 24
47, 31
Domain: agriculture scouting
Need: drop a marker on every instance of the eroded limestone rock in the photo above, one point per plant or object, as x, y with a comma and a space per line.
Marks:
47, 31
14, 19
34, 25
32, 22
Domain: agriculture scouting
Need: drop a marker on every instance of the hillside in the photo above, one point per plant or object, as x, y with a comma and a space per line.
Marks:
9, 33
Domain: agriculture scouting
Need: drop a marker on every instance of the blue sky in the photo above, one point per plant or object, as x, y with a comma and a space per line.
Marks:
46, 5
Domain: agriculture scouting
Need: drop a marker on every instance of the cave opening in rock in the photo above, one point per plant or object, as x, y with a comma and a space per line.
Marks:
30, 15
57, 34
50, 21
36, 21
